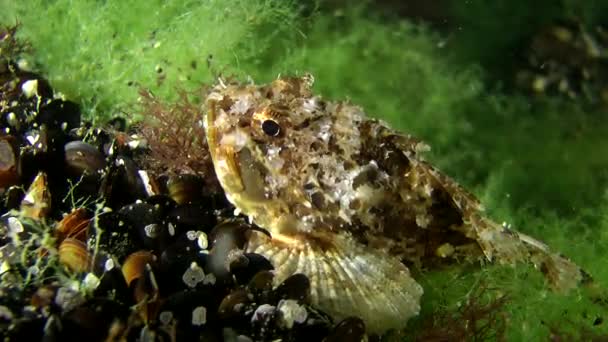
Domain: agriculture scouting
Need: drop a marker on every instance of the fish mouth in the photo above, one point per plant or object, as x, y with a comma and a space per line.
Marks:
222, 154
237, 164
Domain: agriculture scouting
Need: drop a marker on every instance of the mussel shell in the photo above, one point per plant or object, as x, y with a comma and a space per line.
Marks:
149, 332
112, 284
141, 214
122, 184
43, 88
16, 230
316, 327
150, 183
115, 234
229, 235
26, 329
43, 297
296, 287
192, 310
224, 238
74, 255
53, 328
74, 224
230, 334
37, 201
146, 294
91, 321
192, 216
245, 271
8, 162
149, 222
31, 162
350, 329
162, 202
261, 286
13, 118
234, 307
118, 123
60, 114
12, 197
175, 261
185, 188
155, 236
81, 157
44, 151
135, 264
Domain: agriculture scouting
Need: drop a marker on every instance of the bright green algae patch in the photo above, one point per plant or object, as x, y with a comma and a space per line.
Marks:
540, 165
101, 52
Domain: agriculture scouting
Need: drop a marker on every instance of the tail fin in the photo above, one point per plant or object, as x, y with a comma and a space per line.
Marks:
506, 246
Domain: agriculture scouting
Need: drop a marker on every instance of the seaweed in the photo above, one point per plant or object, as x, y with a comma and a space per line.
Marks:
176, 138
477, 319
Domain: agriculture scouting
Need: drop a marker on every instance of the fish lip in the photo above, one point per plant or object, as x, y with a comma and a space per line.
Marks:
210, 131
222, 154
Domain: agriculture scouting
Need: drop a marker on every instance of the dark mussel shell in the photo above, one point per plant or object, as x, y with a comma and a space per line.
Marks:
247, 265
350, 329
59, 114
81, 157
25, 329
112, 284
224, 238
142, 213
118, 123
235, 307
115, 233
261, 286
92, 320
8, 162
11, 198
182, 264
229, 235
232, 234
192, 216
148, 332
32, 85
192, 311
138, 271
227, 241
149, 222
122, 184
44, 152
295, 287
315, 328
163, 202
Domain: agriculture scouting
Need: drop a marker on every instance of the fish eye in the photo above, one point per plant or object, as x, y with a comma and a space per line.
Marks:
271, 128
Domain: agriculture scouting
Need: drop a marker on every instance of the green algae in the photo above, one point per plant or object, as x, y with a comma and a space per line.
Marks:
539, 165
102, 52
